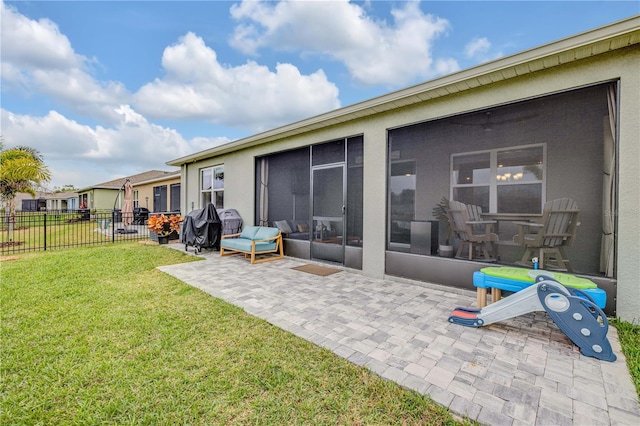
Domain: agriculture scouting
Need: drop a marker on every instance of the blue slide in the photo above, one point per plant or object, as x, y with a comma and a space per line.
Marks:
573, 311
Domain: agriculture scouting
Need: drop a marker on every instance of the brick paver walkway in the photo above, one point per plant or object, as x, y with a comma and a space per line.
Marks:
523, 371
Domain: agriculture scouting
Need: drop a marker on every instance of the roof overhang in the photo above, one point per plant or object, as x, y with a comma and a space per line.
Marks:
175, 175
588, 44
89, 188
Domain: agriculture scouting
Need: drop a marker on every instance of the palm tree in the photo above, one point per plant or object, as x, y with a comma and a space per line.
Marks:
22, 169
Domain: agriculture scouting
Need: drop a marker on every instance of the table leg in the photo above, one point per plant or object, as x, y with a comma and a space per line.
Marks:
482, 297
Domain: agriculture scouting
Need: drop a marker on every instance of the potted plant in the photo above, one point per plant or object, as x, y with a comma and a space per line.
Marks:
162, 226
441, 212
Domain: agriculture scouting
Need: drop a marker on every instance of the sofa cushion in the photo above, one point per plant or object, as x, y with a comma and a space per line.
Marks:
265, 246
283, 226
265, 232
249, 232
236, 244
244, 244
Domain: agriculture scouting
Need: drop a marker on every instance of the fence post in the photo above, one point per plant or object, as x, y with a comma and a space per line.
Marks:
113, 227
45, 232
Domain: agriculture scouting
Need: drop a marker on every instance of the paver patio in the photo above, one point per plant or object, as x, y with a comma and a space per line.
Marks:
523, 371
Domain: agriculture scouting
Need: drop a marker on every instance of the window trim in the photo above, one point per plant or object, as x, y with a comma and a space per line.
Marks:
212, 189
493, 172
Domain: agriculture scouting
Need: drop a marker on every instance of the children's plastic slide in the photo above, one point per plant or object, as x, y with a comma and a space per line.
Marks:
514, 279
573, 311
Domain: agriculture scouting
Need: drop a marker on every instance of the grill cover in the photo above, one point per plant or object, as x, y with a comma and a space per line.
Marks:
202, 228
231, 221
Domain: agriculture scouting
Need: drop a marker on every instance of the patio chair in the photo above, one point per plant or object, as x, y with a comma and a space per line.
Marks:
475, 215
474, 234
546, 240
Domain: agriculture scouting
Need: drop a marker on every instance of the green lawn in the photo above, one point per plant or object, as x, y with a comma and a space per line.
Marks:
629, 335
97, 335
32, 233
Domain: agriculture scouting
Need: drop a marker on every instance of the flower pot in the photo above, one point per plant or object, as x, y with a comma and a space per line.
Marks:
445, 251
163, 239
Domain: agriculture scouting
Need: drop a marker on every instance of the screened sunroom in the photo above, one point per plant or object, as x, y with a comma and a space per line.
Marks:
510, 161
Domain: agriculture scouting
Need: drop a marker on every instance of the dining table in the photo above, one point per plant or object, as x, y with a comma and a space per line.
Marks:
511, 217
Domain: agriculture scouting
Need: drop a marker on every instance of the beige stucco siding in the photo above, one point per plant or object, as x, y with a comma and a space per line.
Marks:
102, 199
628, 248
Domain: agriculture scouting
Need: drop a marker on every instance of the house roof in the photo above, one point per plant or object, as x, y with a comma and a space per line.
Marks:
25, 196
164, 177
151, 175
591, 43
61, 195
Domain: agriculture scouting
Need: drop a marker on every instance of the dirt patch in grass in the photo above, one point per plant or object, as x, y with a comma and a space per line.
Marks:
10, 244
8, 258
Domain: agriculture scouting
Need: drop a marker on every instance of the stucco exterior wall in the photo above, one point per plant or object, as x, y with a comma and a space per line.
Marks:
102, 199
622, 65
628, 247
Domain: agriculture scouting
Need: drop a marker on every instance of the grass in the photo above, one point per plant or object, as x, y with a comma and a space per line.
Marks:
629, 336
97, 335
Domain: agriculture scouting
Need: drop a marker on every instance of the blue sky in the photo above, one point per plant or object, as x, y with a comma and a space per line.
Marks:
110, 89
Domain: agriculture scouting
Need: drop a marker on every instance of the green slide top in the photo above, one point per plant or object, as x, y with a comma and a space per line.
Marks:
529, 275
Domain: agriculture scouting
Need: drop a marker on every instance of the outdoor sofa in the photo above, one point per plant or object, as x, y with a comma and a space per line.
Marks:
252, 241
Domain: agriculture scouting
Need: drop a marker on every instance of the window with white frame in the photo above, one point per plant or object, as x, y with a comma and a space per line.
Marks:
507, 180
212, 186
135, 199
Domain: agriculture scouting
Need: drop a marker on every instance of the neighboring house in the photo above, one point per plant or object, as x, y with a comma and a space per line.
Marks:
46, 201
355, 186
158, 194
107, 195
26, 202
62, 201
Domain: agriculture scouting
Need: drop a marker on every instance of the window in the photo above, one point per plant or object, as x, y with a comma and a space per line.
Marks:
160, 198
212, 186
135, 199
174, 197
509, 180
470, 178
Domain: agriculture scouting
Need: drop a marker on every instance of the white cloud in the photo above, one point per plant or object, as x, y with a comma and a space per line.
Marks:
197, 86
83, 155
373, 51
36, 56
37, 59
477, 46
35, 44
480, 49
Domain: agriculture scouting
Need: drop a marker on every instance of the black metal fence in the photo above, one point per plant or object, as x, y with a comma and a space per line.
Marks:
33, 231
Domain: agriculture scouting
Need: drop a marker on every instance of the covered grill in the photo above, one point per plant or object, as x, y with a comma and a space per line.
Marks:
201, 228
231, 221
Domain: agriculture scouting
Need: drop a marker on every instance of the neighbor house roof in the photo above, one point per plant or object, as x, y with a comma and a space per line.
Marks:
61, 195
25, 196
151, 175
168, 175
591, 43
